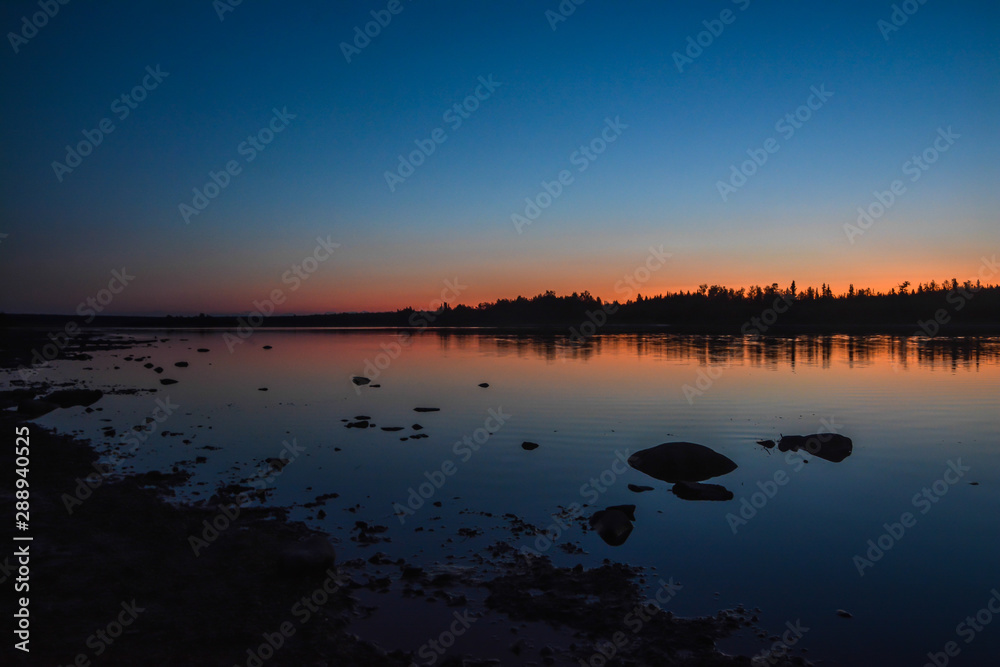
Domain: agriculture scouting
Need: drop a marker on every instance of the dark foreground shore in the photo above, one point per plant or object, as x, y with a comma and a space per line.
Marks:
116, 581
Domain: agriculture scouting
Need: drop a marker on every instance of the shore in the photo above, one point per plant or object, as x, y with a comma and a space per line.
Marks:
268, 590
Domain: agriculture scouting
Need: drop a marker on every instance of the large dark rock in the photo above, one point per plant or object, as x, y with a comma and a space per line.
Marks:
614, 524
831, 447
681, 462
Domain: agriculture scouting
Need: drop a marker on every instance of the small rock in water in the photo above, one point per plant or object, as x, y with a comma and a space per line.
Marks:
267, 347
639, 488
203, 349
181, 364
426, 409
168, 381
699, 491
147, 365
158, 369
392, 428
359, 380
261, 388
529, 445
844, 614
766, 444
417, 427
484, 384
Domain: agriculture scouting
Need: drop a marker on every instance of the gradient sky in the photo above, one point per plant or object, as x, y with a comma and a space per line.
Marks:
324, 175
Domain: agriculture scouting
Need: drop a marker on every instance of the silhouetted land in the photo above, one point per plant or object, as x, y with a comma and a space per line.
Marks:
951, 308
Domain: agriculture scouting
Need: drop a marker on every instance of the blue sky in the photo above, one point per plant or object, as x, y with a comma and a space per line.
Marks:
324, 174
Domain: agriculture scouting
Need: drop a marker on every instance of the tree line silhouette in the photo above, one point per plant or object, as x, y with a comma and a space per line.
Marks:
930, 308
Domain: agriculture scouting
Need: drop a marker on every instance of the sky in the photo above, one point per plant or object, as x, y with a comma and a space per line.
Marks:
632, 127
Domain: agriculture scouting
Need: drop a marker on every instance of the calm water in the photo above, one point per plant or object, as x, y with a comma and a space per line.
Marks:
912, 408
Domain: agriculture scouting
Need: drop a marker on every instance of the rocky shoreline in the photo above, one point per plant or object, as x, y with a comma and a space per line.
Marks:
116, 579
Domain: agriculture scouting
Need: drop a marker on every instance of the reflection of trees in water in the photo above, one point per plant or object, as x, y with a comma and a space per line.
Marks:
713, 350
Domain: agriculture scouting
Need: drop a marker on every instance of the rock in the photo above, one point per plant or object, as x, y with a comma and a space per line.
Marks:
844, 614
67, 398
529, 445
357, 424
181, 364
639, 488
267, 347
168, 381
277, 464
484, 385
358, 380
681, 462
158, 369
417, 427
426, 409
614, 524
147, 365
392, 429
203, 349
699, 491
261, 388
831, 447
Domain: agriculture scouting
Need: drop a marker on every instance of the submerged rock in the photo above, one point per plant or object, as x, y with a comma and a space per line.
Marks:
614, 524
681, 462
699, 491
831, 447
67, 398
639, 488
